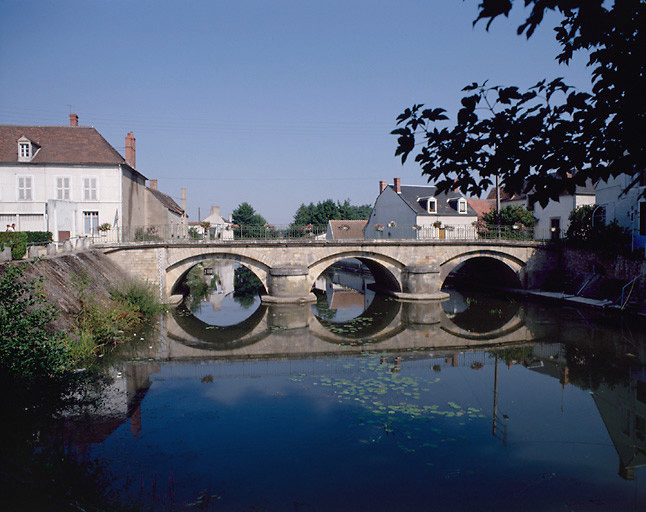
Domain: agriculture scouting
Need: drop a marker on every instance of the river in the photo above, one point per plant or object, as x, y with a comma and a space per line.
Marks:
361, 402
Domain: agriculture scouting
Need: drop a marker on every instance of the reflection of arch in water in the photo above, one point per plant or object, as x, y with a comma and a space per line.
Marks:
176, 273
514, 324
485, 267
195, 333
379, 322
385, 271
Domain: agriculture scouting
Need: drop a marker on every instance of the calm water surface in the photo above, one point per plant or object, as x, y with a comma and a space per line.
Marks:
365, 403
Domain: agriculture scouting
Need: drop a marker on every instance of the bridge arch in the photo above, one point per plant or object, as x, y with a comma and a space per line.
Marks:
176, 272
515, 264
386, 270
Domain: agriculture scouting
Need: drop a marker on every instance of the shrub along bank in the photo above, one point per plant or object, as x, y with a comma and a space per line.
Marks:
57, 316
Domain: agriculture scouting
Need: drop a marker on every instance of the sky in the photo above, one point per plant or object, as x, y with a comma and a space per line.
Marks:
272, 102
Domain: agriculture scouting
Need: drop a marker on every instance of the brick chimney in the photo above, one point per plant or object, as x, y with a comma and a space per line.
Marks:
130, 150
398, 185
74, 120
153, 184
382, 186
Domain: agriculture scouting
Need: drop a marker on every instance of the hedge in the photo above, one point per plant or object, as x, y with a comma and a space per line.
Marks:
17, 240
38, 237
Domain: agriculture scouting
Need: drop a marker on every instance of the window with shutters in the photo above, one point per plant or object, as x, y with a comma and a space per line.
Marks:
25, 188
63, 187
90, 189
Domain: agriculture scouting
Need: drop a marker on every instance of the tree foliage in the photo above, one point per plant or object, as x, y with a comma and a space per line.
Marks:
320, 213
587, 232
245, 215
513, 215
550, 137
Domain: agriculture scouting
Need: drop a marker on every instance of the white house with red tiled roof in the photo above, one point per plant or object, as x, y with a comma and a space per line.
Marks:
69, 180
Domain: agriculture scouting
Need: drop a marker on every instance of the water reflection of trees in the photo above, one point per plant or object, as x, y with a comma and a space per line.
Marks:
247, 286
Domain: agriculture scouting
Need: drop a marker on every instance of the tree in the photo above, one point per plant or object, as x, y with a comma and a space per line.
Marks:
513, 215
549, 138
245, 215
319, 214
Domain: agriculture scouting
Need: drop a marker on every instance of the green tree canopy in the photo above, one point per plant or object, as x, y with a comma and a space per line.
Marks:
510, 216
245, 215
320, 213
550, 137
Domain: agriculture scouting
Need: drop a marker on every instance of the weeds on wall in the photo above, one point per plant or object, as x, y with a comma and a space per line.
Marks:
103, 322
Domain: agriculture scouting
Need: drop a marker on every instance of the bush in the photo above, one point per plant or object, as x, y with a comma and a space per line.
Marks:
17, 240
31, 355
583, 233
141, 296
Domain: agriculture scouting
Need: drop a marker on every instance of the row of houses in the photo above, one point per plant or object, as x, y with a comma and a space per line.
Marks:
404, 207
70, 181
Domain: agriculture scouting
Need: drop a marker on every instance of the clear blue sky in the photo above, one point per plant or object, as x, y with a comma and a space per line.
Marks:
273, 102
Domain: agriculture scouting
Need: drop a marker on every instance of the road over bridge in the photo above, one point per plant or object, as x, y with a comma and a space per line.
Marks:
406, 269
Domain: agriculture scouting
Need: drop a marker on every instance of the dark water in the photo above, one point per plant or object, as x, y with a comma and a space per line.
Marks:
474, 404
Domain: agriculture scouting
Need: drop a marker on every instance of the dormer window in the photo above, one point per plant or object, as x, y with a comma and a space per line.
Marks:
26, 149
429, 204
462, 205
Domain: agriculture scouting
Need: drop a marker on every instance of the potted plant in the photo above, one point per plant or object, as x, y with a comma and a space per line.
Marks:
104, 228
379, 227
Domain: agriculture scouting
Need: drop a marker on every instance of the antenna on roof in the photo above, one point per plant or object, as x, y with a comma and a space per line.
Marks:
70, 106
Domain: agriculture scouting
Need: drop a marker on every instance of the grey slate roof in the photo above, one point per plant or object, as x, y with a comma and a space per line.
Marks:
411, 194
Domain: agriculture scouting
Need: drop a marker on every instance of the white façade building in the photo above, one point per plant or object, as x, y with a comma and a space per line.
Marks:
622, 199
553, 220
69, 180
415, 211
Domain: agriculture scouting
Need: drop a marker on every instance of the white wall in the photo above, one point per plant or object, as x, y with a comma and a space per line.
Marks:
623, 208
557, 210
44, 188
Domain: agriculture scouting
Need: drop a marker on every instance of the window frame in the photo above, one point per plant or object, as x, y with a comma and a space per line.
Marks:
62, 189
463, 207
88, 180
20, 189
93, 214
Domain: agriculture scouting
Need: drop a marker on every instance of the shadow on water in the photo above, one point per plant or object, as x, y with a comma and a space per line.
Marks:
478, 312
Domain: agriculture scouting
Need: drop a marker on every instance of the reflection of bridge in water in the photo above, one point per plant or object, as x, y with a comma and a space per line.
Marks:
285, 330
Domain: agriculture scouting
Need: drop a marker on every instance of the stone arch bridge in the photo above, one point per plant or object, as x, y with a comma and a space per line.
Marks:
406, 269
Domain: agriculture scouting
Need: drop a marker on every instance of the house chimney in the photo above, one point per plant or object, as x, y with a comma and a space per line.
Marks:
153, 184
130, 150
398, 185
215, 209
74, 120
382, 186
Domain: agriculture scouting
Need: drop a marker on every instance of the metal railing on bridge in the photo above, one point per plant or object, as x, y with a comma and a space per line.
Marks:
180, 234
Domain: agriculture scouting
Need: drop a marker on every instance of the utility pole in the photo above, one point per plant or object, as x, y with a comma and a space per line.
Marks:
184, 230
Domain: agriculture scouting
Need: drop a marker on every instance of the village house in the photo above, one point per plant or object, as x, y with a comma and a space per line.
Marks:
552, 221
70, 181
627, 206
415, 211
219, 227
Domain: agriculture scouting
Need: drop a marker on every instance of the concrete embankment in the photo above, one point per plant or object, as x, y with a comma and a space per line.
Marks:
65, 275
596, 279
